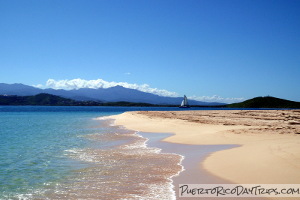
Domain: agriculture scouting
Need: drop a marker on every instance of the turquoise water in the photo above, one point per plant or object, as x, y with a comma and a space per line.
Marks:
63, 152
35, 142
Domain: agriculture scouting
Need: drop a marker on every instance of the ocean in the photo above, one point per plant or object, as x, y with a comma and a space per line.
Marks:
69, 153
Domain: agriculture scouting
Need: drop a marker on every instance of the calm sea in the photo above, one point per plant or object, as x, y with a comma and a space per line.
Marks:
65, 153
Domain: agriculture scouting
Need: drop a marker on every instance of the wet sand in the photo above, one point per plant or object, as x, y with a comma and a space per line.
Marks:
194, 155
269, 141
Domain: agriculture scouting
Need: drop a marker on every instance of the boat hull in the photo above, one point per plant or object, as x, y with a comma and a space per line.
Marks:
184, 106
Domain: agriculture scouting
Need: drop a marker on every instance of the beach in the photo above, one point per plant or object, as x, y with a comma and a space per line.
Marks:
267, 141
142, 154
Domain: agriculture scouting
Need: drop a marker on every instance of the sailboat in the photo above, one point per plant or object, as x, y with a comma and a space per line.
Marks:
184, 103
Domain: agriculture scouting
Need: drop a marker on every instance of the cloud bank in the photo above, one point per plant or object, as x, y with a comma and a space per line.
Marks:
216, 98
78, 83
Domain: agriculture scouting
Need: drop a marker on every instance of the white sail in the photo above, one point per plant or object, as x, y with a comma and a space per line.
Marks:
184, 102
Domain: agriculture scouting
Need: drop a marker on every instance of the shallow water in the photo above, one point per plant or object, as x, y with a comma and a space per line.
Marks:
193, 156
65, 153
130, 170
56, 153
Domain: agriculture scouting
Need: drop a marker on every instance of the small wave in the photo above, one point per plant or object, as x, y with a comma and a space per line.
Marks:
128, 169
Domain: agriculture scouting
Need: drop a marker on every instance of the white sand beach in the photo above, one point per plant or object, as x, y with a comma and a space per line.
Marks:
269, 151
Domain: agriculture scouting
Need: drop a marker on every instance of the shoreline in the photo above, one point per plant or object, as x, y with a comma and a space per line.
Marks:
268, 154
191, 173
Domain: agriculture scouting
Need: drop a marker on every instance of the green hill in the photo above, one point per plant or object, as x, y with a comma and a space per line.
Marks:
43, 99
265, 102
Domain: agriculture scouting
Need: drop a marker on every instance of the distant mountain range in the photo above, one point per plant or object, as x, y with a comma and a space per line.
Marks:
44, 99
104, 95
19, 94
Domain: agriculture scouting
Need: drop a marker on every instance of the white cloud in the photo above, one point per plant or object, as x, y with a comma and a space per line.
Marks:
216, 98
38, 86
100, 83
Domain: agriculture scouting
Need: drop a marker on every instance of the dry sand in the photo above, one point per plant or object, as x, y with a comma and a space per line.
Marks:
269, 139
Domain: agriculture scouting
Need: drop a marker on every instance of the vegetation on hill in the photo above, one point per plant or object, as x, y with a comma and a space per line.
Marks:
44, 99
265, 102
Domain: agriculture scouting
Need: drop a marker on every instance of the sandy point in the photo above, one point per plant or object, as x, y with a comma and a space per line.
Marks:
269, 151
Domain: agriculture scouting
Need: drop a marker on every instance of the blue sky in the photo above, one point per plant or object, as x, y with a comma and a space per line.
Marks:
228, 48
